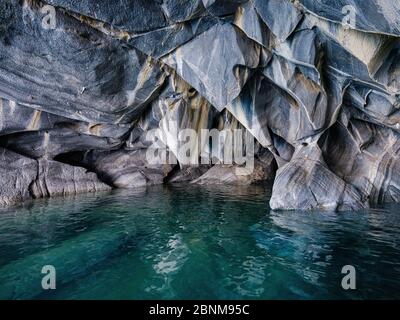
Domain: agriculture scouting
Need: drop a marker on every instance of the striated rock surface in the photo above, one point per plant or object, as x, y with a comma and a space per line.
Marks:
306, 183
17, 174
130, 169
23, 178
95, 95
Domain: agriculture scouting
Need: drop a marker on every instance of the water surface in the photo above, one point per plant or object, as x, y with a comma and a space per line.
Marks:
195, 242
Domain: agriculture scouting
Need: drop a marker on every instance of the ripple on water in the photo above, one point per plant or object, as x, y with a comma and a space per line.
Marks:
195, 242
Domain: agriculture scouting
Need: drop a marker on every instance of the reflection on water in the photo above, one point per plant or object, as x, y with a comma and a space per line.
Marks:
194, 242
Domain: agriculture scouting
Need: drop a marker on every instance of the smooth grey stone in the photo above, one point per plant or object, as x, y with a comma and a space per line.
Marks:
306, 183
50, 143
222, 7
377, 16
373, 106
74, 70
233, 174
179, 11
16, 175
372, 157
177, 108
17, 118
59, 179
215, 73
187, 174
260, 170
161, 42
129, 15
23, 178
280, 16
130, 169
249, 21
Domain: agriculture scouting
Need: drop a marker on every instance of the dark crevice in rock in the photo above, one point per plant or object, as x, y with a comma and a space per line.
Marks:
74, 158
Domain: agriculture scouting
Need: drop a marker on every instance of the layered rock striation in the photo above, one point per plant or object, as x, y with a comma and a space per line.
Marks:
88, 88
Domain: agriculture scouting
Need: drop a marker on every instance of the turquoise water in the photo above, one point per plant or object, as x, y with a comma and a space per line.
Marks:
193, 242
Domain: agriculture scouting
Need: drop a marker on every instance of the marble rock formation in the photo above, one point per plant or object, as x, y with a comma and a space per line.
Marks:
95, 95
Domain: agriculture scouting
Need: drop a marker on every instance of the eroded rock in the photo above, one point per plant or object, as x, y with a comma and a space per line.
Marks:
130, 169
306, 183
23, 178
17, 173
59, 179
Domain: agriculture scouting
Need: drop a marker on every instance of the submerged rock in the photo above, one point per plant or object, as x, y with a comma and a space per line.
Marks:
106, 86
